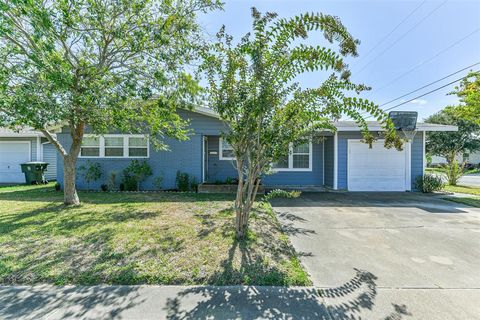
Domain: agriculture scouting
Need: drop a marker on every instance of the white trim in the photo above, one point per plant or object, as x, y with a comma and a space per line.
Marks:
125, 146
408, 163
335, 161
29, 147
220, 151
290, 161
39, 150
424, 162
204, 159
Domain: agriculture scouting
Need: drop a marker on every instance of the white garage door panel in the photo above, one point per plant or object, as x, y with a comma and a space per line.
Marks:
11, 155
376, 169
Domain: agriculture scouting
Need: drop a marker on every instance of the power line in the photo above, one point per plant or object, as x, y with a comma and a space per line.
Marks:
427, 60
402, 36
428, 85
423, 95
392, 31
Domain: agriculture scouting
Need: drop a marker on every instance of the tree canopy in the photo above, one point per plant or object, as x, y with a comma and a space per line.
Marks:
92, 63
469, 93
252, 86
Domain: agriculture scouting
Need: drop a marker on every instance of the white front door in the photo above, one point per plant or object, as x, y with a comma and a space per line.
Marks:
12, 154
378, 168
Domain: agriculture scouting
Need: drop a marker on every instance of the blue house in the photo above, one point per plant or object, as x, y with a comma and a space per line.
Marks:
336, 160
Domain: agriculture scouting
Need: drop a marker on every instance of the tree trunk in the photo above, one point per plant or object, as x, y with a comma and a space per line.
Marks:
70, 195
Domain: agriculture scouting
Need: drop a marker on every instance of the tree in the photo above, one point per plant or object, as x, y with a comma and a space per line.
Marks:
469, 93
452, 143
252, 87
87, 63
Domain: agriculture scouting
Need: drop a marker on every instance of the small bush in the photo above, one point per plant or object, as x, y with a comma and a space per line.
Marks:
157, 182
278, 193
454, 172
194, 184
429, 183
183, 181
121, 187
112, 180
58, 186
91, 172
104, 187
135, 173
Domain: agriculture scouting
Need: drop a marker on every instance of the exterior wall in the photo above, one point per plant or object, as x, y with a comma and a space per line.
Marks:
329, 149
416, 164
33, 145
185, 156
218, 169
50, 156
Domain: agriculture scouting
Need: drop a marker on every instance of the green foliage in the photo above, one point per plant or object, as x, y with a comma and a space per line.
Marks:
57, 186
194, 184
90, 171
469, 93
112, 180
157, 182
451, 143
454, 172
104, 187
183, 181
135, 173
429, 183
279, 193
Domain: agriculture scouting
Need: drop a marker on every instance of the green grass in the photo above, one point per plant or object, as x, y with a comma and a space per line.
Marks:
443, 170
139, 238
462, 189
471, 201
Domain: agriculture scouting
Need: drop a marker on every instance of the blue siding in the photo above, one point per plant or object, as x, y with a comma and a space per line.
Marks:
329, 148
300, 178
416, 157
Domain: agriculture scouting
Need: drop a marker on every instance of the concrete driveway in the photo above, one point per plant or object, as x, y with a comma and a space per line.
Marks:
377, 253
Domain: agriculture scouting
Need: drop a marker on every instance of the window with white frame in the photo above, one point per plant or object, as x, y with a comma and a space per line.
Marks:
115, 146
299, 158
225, 150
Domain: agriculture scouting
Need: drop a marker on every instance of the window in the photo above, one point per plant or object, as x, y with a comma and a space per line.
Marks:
299, 158
115, 146
226, 150
90, 147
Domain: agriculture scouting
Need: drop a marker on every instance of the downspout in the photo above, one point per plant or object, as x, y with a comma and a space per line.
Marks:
335, 161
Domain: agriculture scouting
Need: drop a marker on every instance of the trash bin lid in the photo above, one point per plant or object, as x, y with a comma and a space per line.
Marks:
35, 162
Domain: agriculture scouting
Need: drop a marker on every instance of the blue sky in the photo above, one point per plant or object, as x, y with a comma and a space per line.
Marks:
415, 54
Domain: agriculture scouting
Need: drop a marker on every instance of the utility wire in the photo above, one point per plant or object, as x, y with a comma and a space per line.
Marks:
429, 84
402, 36
392, 31
424, 94
427, 60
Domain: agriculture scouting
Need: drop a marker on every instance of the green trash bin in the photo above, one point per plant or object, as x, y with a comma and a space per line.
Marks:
34, 172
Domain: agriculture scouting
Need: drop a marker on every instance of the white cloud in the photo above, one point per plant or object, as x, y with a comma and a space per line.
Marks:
419, 101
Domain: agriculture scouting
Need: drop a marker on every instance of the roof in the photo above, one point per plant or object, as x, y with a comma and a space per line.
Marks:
20, 133
376, 126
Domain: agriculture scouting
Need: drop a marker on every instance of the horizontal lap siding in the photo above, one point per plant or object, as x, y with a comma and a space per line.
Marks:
417, 157
218, 170
33, 145
300, 178
50, 156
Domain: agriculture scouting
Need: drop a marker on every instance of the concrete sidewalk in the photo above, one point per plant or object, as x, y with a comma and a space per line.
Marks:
360, 298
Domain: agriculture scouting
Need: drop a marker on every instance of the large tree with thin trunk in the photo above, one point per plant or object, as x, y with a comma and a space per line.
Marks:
469, 94
252, 87
97, 64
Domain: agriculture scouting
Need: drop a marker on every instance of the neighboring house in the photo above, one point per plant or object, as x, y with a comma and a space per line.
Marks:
473, 158
21, 146
336, 160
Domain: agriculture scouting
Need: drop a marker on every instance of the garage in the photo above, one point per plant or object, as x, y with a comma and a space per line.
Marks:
377, 168
13, 153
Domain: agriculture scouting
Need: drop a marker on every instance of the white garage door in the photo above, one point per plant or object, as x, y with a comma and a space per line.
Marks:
11, 155
377, 169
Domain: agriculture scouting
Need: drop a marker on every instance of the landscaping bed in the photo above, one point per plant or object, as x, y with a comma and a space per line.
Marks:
139, 238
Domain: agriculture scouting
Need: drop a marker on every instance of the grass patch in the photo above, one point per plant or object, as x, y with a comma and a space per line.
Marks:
472, 201
139, 238
444, 170
463, 189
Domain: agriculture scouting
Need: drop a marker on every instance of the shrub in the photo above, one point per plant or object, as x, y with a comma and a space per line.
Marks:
278, 193
58, 187
157, 182
231, 180
91, 172
454, 172
135, 173
112, 183
194, 184
104, 187
183, 181
429, 183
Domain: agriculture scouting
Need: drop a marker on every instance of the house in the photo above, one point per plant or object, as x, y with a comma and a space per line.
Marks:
336, 160
471, 158
24, 145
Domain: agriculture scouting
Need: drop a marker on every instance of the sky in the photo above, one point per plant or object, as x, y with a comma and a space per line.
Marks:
404, 44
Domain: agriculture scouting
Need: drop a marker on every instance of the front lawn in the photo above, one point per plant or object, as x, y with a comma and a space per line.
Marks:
469, 201
444, 170
139, 238
462, 189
